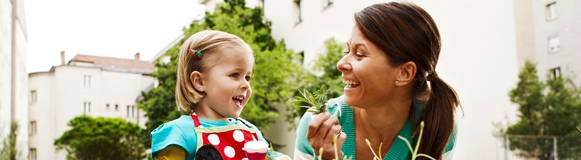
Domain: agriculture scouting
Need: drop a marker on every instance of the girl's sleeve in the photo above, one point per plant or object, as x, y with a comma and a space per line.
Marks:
303, 149
168, 134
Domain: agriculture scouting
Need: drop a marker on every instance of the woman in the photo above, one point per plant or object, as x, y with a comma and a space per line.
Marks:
391, 86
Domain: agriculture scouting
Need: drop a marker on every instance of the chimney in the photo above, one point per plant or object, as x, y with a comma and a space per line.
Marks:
137, 56
63, 58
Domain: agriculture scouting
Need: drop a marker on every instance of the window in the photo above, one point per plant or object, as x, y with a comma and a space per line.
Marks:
116, 107
130, 111
554, 44
302, 58
87, 81
297, 11
32, 154
327, 3
551, 11
556, 72
32, 128
33, 96
87, 108
107, 106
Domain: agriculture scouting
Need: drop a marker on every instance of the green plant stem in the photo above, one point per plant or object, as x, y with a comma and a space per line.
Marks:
419, 140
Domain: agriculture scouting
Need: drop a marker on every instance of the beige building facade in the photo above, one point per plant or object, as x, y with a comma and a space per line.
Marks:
13, 74
549, 34
90, 85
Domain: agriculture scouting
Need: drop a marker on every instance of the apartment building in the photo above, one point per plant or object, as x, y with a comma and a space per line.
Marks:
13, 74
90, 85
549, 34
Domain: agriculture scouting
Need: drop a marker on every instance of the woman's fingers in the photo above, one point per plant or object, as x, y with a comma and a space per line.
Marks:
322, 129
317, 121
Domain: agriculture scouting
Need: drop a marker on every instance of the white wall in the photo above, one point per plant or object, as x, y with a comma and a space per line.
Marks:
21, 97
568, 27
43, 113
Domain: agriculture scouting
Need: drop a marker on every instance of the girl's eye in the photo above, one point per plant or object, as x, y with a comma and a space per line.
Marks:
247, 78
346, 52
234, 75
359, 54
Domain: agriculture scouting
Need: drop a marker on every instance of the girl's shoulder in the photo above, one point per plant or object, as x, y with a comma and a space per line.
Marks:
182, 123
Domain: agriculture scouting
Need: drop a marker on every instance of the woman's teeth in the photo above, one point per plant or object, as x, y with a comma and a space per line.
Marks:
351, 83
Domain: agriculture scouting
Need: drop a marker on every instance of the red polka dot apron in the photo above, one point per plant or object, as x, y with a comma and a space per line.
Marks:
228, 140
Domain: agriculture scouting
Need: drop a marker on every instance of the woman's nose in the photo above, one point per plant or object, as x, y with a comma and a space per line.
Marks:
342, 65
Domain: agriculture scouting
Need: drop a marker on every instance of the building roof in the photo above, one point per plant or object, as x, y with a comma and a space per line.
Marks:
111, 62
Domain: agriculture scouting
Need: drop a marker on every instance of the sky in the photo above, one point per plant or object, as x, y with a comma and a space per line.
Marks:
111, 28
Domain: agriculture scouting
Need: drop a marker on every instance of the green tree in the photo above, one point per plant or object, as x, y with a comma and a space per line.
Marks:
101, 138
546, 109
324, 74
9, 149
274, 77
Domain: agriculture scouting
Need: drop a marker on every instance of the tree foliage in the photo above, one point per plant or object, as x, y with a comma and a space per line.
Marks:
324, 75
274, 77
546, 109
9, 149
101, 138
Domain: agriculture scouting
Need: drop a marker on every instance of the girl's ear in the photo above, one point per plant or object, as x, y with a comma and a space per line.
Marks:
407, 72
196, 80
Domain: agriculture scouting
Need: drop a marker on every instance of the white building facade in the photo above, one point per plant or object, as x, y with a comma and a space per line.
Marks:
13, 74
550, 35
91, 85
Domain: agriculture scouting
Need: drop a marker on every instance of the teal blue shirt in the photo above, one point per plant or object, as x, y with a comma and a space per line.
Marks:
181, 132
337, 107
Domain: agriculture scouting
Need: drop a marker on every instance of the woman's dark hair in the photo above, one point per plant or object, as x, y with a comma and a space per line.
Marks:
405, 32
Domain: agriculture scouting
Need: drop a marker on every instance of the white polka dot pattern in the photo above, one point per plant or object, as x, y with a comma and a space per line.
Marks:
229, 151
238, 136
213, 138
244, 158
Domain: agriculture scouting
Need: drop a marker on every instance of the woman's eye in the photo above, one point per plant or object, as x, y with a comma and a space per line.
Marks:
346, 52
359, 54
247, 78
235, 75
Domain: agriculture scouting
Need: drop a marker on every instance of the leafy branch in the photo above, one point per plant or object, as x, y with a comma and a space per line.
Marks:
316, 101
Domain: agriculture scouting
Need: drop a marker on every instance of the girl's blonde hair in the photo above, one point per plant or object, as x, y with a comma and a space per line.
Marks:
209, 43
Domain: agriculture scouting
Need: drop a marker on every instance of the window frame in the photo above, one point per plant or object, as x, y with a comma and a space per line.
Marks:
551, 11
87, 108
33, 96
554, 38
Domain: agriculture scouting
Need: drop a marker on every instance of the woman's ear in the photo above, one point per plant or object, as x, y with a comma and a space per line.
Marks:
407, 72
196, 80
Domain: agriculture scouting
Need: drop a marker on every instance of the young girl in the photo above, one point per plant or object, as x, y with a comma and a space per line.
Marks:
213, 82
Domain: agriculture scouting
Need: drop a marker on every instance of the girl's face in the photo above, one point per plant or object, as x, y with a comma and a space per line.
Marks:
227, 83
368, 77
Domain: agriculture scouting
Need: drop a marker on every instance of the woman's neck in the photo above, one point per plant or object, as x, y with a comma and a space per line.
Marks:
383, 122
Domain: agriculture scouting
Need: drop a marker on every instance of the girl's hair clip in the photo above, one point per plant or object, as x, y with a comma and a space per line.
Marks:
196, 53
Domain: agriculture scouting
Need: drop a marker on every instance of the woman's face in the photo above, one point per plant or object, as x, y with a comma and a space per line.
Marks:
369, 79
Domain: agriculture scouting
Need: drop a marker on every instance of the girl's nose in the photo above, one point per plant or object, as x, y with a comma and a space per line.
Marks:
245, 85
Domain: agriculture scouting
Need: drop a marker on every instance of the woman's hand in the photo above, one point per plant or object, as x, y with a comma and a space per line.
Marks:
322, 128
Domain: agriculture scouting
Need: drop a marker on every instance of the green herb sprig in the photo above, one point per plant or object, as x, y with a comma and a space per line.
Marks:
316, 101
